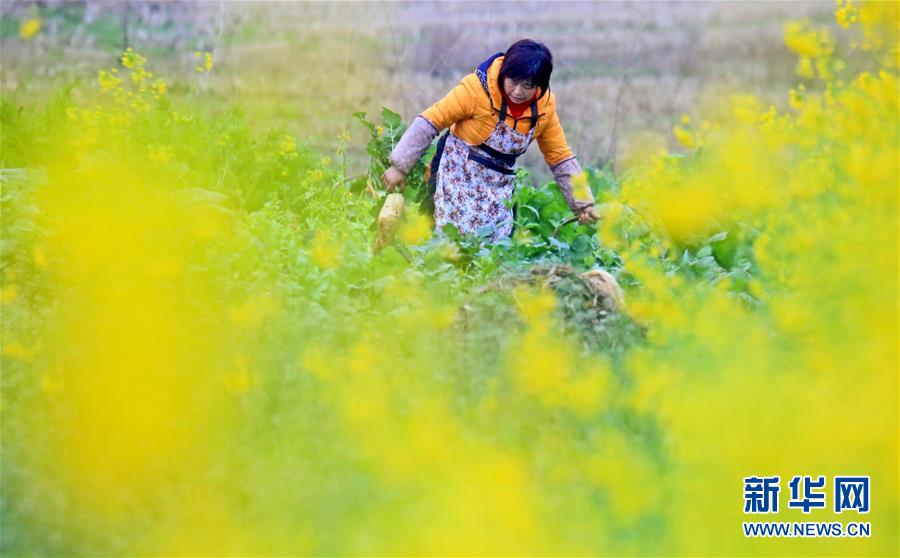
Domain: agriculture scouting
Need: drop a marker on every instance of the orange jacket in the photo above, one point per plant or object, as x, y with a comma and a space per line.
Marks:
472, 115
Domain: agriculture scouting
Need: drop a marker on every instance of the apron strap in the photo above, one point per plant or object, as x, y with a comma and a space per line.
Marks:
503, 111
487, 162
428, 201
508, 158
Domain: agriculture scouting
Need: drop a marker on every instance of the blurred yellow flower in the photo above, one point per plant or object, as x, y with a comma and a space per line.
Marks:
415, 229
206, 61
324, 250
132, 60
808, 41
140, 105
796, 96
8, 294
536, 306
17, 351
108, 80
159, 88
746, 108
30, 28
581, 190
52, 383
805, 68
287, 146
684, 137
39, 257
241, 379
846, 13
159, 153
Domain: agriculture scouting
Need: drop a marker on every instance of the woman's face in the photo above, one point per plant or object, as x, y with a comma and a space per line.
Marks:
519, 91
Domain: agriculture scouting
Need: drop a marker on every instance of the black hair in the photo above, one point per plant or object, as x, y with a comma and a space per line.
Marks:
528, 60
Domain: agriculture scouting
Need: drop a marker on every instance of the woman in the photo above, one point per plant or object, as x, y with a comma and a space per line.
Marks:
493, 114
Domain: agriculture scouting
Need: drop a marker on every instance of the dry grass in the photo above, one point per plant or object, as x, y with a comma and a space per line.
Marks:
621, 67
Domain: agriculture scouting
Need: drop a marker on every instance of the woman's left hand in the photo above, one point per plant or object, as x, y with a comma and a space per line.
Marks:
588, 215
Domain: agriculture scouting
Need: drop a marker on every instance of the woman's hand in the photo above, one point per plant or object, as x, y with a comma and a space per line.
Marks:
587, 214
393, 179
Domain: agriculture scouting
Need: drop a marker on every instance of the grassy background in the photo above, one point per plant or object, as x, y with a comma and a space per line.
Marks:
620, 68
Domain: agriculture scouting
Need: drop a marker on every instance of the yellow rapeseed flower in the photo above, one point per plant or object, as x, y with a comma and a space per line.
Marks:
535, 306
159, 153
796, 96
108, 80
30, 28
684, 137
39, 257
206, 59
52, 384
805, 68
159, 88
808, 41
17, 351
287, 147
241, 379
415, 229
8, 294
324, 250
846, 13
746, 108
131, 59
581, 190
140, 105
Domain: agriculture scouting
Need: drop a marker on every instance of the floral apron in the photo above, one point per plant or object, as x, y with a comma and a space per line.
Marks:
472, 182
